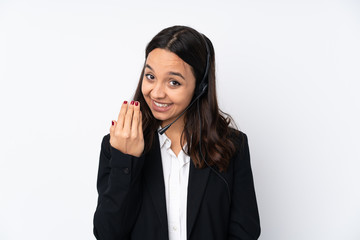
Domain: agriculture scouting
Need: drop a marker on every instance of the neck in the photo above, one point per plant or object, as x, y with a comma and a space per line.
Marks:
175, 131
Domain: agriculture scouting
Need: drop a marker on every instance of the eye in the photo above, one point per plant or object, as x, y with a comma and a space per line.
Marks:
150, 76
174, 83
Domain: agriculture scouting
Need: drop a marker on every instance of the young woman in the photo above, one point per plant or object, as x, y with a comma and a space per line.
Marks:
192, 182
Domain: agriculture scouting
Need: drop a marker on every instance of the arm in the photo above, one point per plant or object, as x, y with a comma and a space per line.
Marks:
244, 218
119, 191
119, 177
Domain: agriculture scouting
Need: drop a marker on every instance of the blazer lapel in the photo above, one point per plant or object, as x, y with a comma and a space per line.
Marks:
196, 188
155, 181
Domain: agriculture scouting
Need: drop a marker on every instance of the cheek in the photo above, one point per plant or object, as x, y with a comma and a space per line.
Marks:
183, 98
189, 95
189, 98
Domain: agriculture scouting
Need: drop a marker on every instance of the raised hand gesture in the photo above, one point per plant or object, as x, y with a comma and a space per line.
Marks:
126, 135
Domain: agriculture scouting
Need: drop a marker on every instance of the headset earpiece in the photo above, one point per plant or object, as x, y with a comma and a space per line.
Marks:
204, 81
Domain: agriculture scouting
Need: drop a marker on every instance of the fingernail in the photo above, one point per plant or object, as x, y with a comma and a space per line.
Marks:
136, 103
132, 102
112, 123
125, 102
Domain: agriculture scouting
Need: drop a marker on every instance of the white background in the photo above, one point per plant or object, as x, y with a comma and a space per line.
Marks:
288, 72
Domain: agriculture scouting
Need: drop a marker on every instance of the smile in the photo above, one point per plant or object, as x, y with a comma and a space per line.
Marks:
161, 107
161, 104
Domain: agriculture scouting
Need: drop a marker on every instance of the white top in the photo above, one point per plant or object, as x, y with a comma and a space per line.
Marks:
176, 177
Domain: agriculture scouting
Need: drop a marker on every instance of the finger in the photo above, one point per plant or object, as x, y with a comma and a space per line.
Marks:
122, 113
140, 126
135, 120
128, 117
112, 128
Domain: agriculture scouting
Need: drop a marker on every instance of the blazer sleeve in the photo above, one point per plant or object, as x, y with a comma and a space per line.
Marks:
244, 216
119, 190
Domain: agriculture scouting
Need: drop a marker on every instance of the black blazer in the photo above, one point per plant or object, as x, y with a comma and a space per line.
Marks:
132, 205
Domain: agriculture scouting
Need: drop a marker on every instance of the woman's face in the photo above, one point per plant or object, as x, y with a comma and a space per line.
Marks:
168, 85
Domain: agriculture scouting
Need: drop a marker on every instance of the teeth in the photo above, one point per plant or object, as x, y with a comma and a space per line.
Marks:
160, 104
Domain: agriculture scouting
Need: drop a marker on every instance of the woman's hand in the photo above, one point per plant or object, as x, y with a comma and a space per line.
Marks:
126, 135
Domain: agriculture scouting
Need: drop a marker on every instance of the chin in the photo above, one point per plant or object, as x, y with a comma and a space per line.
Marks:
159, 117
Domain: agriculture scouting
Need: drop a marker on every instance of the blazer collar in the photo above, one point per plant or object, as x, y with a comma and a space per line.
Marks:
155, 184
196, 188
154, 181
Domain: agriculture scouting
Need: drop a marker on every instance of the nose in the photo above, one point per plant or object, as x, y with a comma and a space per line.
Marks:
158, 92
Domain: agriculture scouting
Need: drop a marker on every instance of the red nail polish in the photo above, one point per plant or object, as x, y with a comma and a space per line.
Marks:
132, 102
136, 103
125, 102
112, 123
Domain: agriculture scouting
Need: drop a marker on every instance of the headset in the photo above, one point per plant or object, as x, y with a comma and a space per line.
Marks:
201, 89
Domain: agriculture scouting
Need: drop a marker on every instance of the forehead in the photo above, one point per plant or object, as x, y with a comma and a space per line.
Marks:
164, 60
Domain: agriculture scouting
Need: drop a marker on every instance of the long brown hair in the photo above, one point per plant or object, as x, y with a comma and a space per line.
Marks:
217, 138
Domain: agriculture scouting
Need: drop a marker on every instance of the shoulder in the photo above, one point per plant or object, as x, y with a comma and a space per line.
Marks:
241, 157
238, 137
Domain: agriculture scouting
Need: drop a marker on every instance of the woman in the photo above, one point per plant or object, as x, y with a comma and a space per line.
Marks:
192, 182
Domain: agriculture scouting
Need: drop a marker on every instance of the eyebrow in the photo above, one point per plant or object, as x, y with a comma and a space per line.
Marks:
170, 73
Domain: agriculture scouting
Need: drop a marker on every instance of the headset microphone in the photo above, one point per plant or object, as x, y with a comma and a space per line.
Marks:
162, 130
